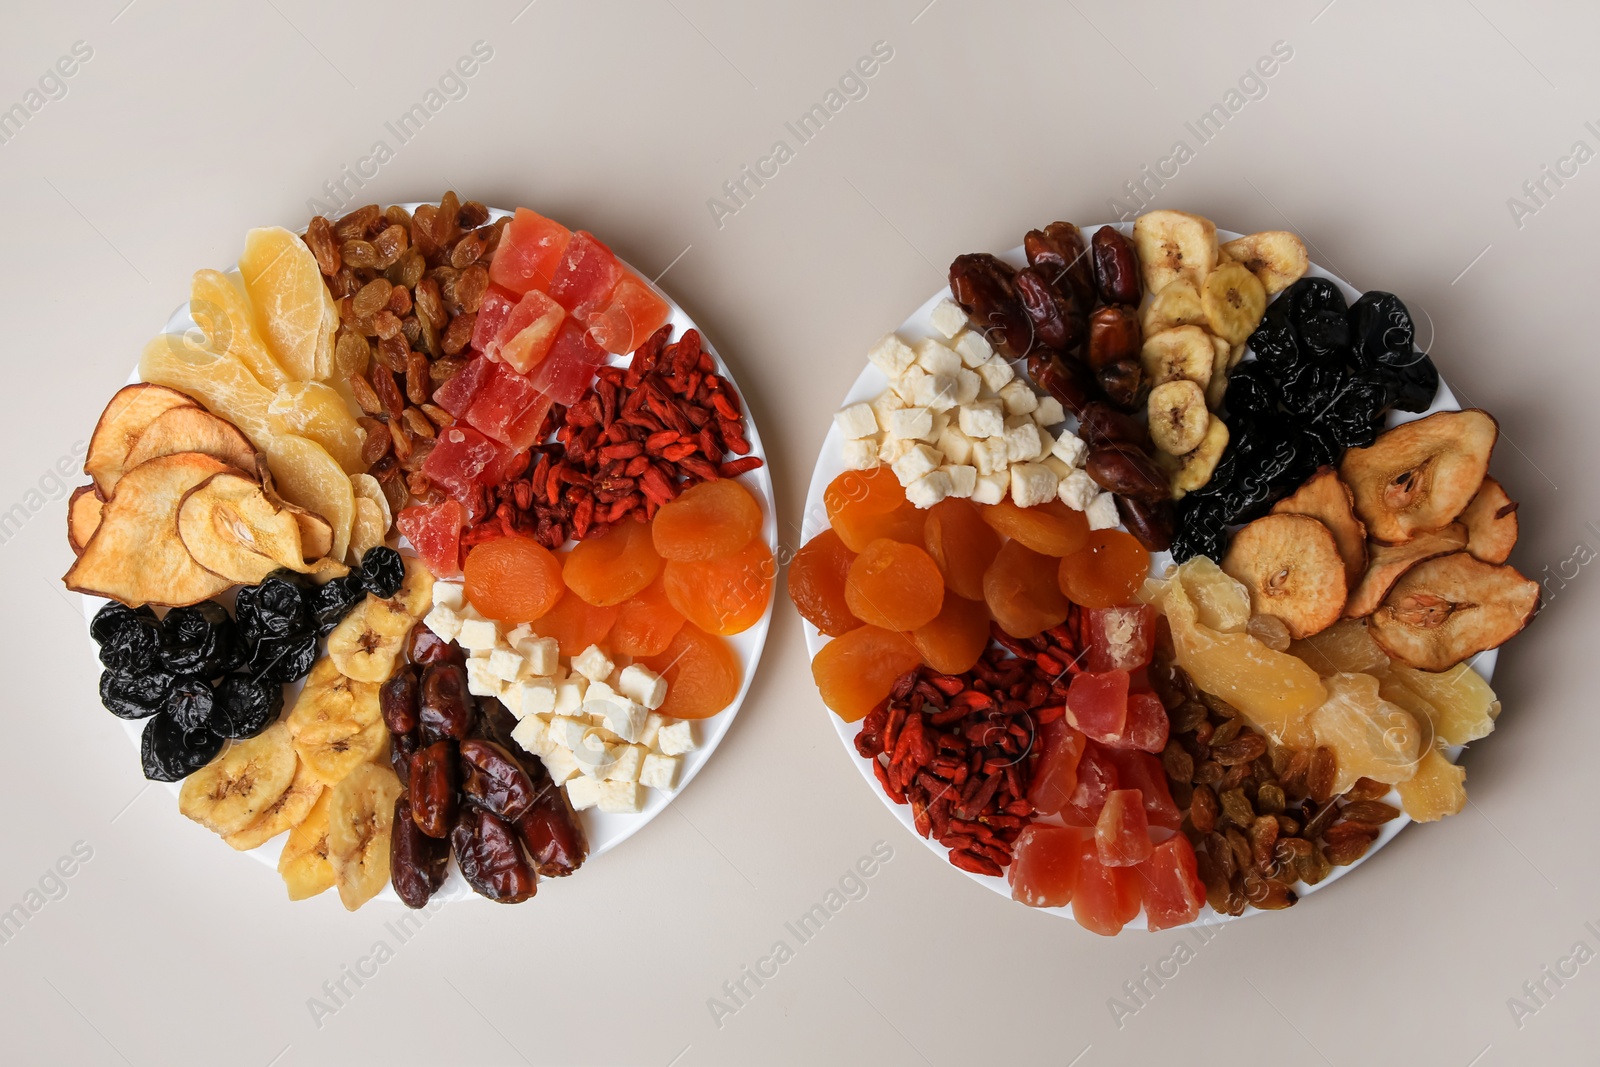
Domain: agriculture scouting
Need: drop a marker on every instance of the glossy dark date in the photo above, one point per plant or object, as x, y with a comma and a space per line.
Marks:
1114, 335
435, 782
554, 837
1058, 323
398, 699
490, 857
1059, 250
424, 646
1067, 381
1127, 473
1101, 424
983, 286
1153, 522
1116, 268
1123, 383
492, 779
417, 862
445, 708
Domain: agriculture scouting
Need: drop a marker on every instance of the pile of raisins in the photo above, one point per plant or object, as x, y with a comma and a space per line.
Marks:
1324, 377
202, 677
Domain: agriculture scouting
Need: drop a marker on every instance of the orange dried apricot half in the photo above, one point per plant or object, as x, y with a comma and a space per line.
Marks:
609, 569
1051, 528
854, 673
726, 595
1107, 572
1020, 589
707, 521
646, 623
955, 639
817, 582
702, 674
513, 580
894, 586
962, 545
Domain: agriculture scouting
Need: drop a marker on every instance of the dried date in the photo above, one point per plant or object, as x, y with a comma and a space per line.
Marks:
434, 786
445, 709
417, 862
490, 857
492, 779
1116, 268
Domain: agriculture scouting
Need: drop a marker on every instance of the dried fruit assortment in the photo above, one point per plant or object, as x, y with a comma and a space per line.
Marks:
443, 376
1227, 734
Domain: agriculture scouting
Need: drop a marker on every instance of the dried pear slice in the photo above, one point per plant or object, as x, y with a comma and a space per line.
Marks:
316, 536
1291, 565
1449, 608
83, 516
1420, 475
129, 412
193, 429
1491, 520
136, 555
232, 530
1328, 500
1389, 562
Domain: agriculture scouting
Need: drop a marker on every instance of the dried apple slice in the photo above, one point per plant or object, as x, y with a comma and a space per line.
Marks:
219, 306
133, 408
1449, 608
1491, 520
1389, 562
193, 430
1328, 500
1420, 475
1292, 567
136, 555
83, 516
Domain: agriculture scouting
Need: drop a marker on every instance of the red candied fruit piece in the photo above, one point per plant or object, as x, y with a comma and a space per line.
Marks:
635, 312
1169, 881
530, 247
1122, 834
508, 408
1044, 866
569, 366
1055, 777
1097, 704
1097, 777
1120, 638
525, 337
1104, 898
463, 458
456, 395
586, 277
1148, 724
434, 531
493, 311
1142, 771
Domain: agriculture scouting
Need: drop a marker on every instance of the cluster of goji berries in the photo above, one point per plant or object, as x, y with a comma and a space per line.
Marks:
960, 748
639, 437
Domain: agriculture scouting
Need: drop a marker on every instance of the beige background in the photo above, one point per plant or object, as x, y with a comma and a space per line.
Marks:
1392, 139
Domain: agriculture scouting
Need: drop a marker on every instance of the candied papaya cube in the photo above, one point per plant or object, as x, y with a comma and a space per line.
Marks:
463, 458
434, 531
1097, 777
1142, 771
635, 312
568, 367
528, 332
1120, 638
493, 312
1122, 833
1044, 866
503, 405
1097, 705
1055, 776
1169, 881
457, 394
586, 277
1104, 898
530, 248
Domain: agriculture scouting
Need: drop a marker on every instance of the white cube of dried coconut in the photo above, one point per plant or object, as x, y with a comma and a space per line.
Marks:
861, 455
969, 383
481, 682
652, 729
450, 594
941, 419
996, 374
983, 418
660, 772
956, 446
541, 656
561, 764
891, 355
1077, 490
642, 686
1032, 484
948, 318
1057, 467
443, 621
1019, 397
917, 460
569, 694
906, 384
893, 448
991, 488
936, 391
630, 758
477, 635
568, 730
621, 798
533, 734
583, 792
856, 420
675, 738
534, 696
593, 664
1022, 442
929, 489
1070, 449
963, 478
885, 402
1046, 443
505, 664
909, 423
936, 357
621, 716
1102, 512
973, 348
1049, 412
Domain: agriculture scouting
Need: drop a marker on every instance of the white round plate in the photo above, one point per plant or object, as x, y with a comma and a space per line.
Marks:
830, 464
605, 830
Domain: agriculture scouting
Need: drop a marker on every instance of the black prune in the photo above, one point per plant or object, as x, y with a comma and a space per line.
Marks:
170, 753
1380, 323
283, 659
134, 696
1274, 341
1419, 380
1251, 391
190, 702
330, 603
1325, 336
278, 607
129, 638
1312, 294
246, 706
1311, 389
1204, 530
382, 571
200, 639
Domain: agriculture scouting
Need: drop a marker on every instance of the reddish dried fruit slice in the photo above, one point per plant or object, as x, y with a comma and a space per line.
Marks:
529, 249
1097, 777
1142, 771
707, 521
611, 568
1051, 528
702, 673
1044, 866
1107, 572
1122, 834
817, 577
1420, 475
894, 586
1328, 500
1169, 882
855, 672
434, 530
513, 580
954, 641
1147, 726
723, 596
961, 544
1491, 521
646, 624
1021, 592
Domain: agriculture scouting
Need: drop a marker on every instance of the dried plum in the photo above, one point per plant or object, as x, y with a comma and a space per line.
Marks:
245, 706
382, 571
129, 638
283, 659
278, 607
200, 639
1204, 529
1312, 294
134, 696
1311, 389
1325, 336
1418, 379
1380, 323
190, 701
330, 603
1274, 341
1251, 391
170, 753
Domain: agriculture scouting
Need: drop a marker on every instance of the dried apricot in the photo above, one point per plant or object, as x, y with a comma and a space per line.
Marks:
707, 521
1051, 528
722, 596
866, 505
1021, 592
575, 624
895, 586
855, 672
961, 544
953, 642
816, 584
646, 623
702, 674
609, 569
1108, 571
513, 580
